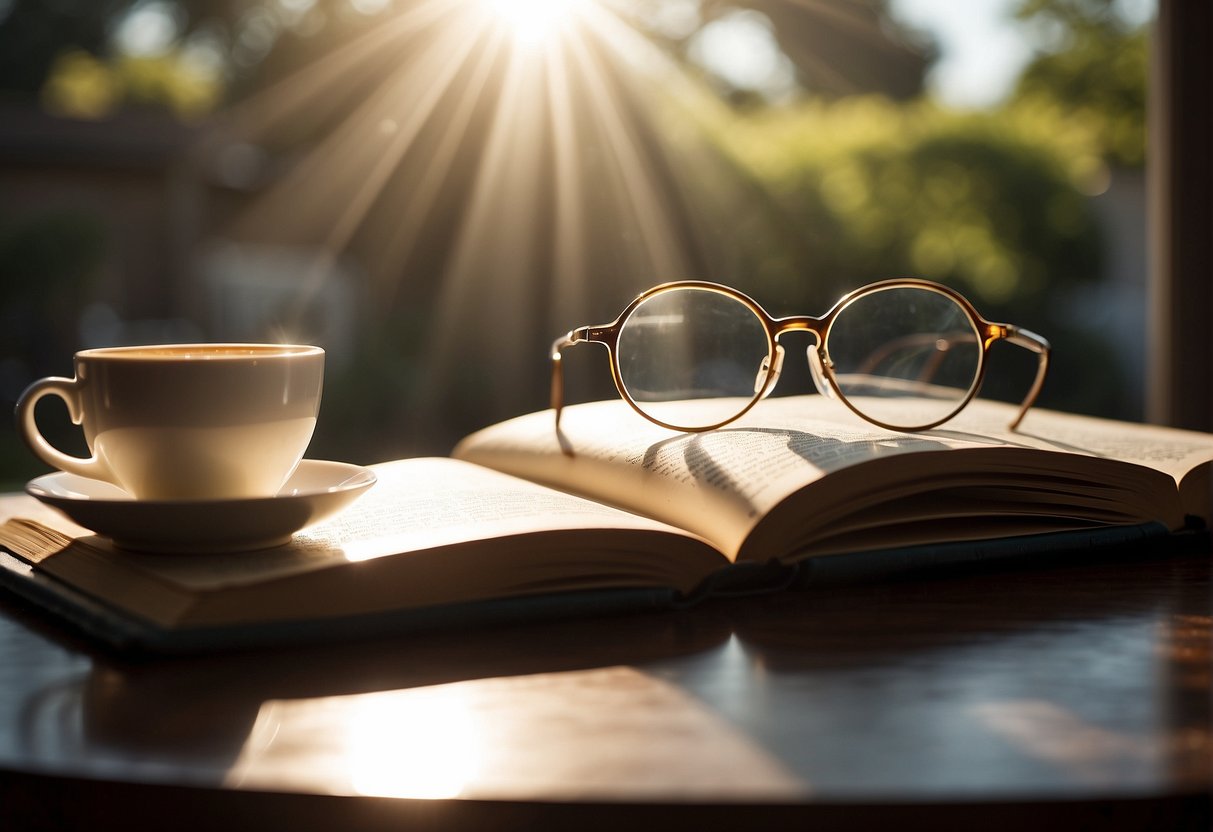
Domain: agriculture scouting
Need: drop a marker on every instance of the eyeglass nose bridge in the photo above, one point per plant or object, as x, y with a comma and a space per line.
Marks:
815, 352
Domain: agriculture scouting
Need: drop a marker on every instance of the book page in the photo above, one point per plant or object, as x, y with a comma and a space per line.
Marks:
1170, 450
721, 483
1185, 456
428, 503
717, 484
416, 505
430, 532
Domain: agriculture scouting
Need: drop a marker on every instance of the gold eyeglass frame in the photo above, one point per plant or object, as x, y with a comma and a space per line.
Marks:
988, 331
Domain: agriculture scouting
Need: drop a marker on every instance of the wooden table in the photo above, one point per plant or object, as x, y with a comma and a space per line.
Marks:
1073, 695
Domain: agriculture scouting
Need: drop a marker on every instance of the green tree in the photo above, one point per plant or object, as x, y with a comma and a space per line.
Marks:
1093, 67
991, 203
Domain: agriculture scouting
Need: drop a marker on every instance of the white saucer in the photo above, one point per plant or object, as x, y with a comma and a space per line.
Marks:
315, 491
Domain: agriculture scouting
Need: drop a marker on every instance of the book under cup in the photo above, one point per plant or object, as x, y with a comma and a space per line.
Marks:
615, 514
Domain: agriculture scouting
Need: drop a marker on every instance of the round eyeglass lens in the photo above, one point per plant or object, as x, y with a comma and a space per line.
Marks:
905, 356
693, 358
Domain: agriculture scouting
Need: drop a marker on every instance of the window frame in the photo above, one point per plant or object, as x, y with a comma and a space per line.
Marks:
1180, 217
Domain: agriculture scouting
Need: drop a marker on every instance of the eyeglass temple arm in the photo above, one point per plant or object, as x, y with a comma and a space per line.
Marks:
570, 338
1036, 343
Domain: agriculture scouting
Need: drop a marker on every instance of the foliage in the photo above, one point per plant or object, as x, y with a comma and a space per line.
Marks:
1094, 69
993, 204
70, 54
81, 86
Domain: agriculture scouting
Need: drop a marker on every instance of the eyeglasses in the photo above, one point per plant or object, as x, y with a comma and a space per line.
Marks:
903, 354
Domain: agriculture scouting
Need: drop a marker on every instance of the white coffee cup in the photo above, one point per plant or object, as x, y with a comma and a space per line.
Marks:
186, 421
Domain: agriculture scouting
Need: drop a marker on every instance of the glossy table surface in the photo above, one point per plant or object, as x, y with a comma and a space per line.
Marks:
1074, 692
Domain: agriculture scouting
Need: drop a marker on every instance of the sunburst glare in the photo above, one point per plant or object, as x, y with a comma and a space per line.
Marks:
530, 22
495, 166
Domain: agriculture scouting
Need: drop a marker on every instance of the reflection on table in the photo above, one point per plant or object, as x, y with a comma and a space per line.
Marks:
1040, 687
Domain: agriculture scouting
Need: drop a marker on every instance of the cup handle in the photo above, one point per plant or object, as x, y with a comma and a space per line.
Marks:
64, 388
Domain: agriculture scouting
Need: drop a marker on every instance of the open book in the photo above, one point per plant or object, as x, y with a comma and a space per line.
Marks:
615, 513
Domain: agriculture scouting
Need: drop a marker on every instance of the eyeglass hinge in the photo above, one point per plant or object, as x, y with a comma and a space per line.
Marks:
997, 332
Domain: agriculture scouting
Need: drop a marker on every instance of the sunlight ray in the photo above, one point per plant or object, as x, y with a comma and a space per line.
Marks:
633, 178
448, 59
521, 255
683, 113
344, 159
314, 84
492, 187
337, 184
494, 261
438, 168
439, 67
569, 243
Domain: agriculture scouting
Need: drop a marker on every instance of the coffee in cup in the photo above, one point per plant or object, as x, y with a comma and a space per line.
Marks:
186, 421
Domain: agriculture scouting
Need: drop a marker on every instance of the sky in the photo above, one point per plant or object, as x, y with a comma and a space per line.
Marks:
982, 50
